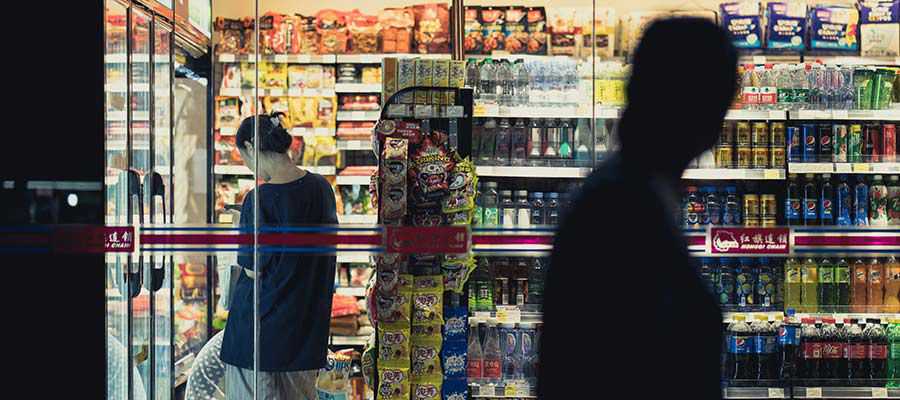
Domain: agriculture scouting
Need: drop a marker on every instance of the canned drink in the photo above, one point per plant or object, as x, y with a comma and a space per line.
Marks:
873, 143
794, 147
776, 134
744, 157
727, 136
841, 140
724, 156
810, 143
889, 139
767, 206
854, 143
768, 222
776, 154
761, 157
760, 134
826, 149
751, 210
742, 130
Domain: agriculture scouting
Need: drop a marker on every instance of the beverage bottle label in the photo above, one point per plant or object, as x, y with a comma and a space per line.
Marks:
492, 369
474, 368
768, 95
878, 351
788, 335
740, 345
858, 351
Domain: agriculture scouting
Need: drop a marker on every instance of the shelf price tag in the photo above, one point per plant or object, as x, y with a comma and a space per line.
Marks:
776, 114
510, 390
776, 393
295, 92
772, 174
879, 393
281, 58
814, 393
839, 114
861, 167
276, 92
509, 314
842, 168
322, 132
522, 389
226, 57
486, 391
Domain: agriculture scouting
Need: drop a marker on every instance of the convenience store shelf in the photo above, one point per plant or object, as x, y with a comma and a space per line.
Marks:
357, 87
358, 219
844, 168
243, 170
854, 60
513, 389
846, 115
772, 115
532, 172
349, 340
733, 174
293, 92
753, 393
353, 180
312, 131
279, 58
351, 291
376, 58
358, 115
846, 393
354, 144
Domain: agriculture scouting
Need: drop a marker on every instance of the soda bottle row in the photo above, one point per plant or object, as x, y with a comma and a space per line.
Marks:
842, 143
836, 285
507, 351
744, 284
745, 144
820, 201
514, 281
712, 205
536, 82
517, 208
532, 142
815, 87
847, 352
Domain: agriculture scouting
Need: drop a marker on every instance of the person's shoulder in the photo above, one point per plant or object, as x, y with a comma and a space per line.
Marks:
316, 180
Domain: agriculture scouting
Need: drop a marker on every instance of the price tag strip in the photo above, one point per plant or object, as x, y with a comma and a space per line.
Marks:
813, 393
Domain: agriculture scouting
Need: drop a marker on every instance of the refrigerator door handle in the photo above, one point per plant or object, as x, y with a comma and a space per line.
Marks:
155, 184
136, 270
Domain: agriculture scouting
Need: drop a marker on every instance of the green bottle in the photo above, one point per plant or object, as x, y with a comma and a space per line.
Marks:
827, 290
893, 367
809, 274
842, 286
792, 285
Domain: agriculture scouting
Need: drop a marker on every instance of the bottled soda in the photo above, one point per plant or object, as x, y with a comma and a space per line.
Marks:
492, 352
859, 288
875, 296
566, 140
893, 361
793, 299
528, 350
745, 285
878, 202
854, 143
740, 354
831, 352
871, 143
792, 202
840, 372
841, 138
857, 354
535, 137
892, 285
826, 144
826, 198
507, 208
537, 208
842, 283
509, 343
751, 210
484, 286
794, 144
789, 346
518, 143
475, 358
551, 141
809, 274
812, 352
708, 274
810, 143
536, 283
827, 286
731, 214
861, 202
893, 207
764, 339
725, 287
810, 201
765, 284
491, 203
523, 209
843, 203
877, 352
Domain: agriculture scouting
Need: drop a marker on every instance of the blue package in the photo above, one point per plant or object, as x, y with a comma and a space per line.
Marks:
787, 26
455, 389
742, 20
455, 324
879, 11
834, 28
453, 359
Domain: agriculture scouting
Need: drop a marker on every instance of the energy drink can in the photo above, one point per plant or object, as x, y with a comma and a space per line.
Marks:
727, 136
826, 144
840, 139
724, 156
760, 157
760, 134
889, 142
854, 143
776, 154
751, 210
810, 143
743, 133
872, 143
744, 156
795, 150
776, 134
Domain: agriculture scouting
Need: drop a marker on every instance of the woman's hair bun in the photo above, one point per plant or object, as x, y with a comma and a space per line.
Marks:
273, 136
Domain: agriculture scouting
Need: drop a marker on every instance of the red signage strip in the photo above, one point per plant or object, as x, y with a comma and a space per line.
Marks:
92, 239
265, 239
847, 240
696, 240
427, 240
512, 240
749, 240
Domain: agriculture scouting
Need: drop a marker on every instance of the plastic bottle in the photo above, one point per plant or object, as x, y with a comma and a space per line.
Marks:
768, 92
789, 349
793, 299
536, 284
491, 205
506, 83
551, 141
861, 203
859, 287
892, 285
857, 354
745, 285
842, 278
831, 351
878, 202
811, 354
478, 218
521, 281
810, 201
708, 272
518, 143
740, 353
827, 286
566, 142
801, 84
750, 88
522, 83
893, 360
784, 86
536, 134
492, 353
475, 357
472, 78
725, 286
509, 342
488, 76
484, 286
523, 209
527, 350
551, 209
843, 203
841, 371
488, 146
765, 285
731, 214
792, 202
537, 208
875, 296
877, 354
809, 274
693, 208
826, 201
503, 147
507, 209
894, 201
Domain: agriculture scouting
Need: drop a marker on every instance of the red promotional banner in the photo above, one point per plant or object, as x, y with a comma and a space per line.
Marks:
749, 240
93, 239
427, 240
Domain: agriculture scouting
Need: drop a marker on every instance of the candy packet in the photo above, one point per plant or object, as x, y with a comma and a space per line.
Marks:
394, 309
393, 383
453, 359
455, 320
429, 389
455, 389
393, 346
428, 306
462, 186
424, 333
426, 359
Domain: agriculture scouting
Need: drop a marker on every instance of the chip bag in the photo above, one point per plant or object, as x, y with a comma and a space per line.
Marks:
393, 346
428, 302
426, 359
429, 170
427, 389
453, 359
393, 383
462, 186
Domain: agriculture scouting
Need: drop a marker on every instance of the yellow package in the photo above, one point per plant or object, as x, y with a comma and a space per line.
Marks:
456, 272
296, 76
298, 111
427, 299
393, 383
424, 333
427, 389
393, 347
424, 77
272, 75
426, 360
248, 75
395, 309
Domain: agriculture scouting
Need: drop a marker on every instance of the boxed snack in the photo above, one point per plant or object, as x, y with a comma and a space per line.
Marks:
743, 22
389, 71
248, 75
332, 28
406, 77
879, 29
249, 43
598, 33
228, 113
473, 42
633, 26
363, 33
226, 150
249, 107
432, 33
440, 78
536, 18
786, 26
492, 23
325, 111
424, 77
296, 76
272, 75
272, 34
229, 35
563, 31
327, 76
396, 30
457, 79
278, 104
371, 74
231, 76
833, 28
515, 30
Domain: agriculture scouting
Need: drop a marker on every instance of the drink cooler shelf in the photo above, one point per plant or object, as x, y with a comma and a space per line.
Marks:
810, 393
844, 168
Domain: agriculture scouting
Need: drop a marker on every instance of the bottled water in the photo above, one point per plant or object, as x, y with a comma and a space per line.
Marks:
472, 79
505, 83
570, 81
488, 81
523, 80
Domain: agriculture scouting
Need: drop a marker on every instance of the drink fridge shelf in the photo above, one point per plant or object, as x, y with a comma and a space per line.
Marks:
353, 180
377, 57
244, 171
353, 257
734, 174
846, 393
357, 88
849, 115
772, 115
506, 389
844, 168
230, 131
574, 172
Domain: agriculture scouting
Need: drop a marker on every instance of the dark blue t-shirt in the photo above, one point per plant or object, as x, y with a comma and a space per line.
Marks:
295, 288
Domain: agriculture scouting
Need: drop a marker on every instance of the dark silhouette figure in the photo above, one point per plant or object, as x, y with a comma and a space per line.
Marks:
624, 306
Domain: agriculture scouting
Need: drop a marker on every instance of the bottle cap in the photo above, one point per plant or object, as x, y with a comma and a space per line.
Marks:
826, 176
762, 317
506, 193
492, 185
537, 195
522, 193
878, 177
553, 195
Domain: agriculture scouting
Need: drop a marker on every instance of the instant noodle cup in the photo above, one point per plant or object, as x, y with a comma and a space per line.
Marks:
393, 383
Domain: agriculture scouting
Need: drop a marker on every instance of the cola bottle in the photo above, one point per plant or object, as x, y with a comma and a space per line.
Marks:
857, 357
840, 372
831, 352
877, 355
789, 345
764, 338
739, 356
812, 352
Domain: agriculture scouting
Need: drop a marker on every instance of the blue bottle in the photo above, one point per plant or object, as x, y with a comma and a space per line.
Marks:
826, 198
795, 144
765, 285
725, 285
745, 285
843, 203
708, 274
705, 192
861, 202
810, 143
810, 202
792, 202
731, 212
714, 206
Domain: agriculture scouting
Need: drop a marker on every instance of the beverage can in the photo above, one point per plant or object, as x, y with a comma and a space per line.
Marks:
744, 156
724, 156
727, 135
826, 144
743, 133
810, 143
794, 144
841, 140
760, 134
889, 139
854, 143
776, 154
751, 210
777, 132
768, 207
760, 157
873, 143
768, 222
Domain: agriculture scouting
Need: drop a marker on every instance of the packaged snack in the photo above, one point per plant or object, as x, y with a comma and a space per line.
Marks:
473, 42
460, 218
394, 207
429, 169
393, 383
301, 115
249, 43
455, 324
633, 26
743, 22
600, 31
536, 18
395, 149
394, 309
279, 104
834, 28
430, 332
325, 112
428, 308
231, 76
308, 37
228, 113
229, 36
368, 363
879, 29
248, 75
388, 78
515, 30
453, 359
440, 78
355, 200
363, 33
426, 359
427, 390
427, 216
326, 151
272, 34
563, 31
391, 281
424, 77
409, 130
394, 172
272, 75
406, 78
428, 283
492, 23
456, 273
462, 185
455, 389
296, 76
786, 26
396, 30
393, 346
432, 33
332, 28
292, 33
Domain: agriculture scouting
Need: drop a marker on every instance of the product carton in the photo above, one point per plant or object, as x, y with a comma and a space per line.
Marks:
834, 28
879, 29
786, 27
424, 77
743, 22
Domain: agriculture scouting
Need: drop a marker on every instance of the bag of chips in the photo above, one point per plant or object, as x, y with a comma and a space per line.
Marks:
393, 346
230, 35
429, 389
393, 383
427, 299
426, 360
432, 28
332, 28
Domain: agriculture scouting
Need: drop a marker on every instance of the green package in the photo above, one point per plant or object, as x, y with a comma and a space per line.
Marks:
862, 82
883, 89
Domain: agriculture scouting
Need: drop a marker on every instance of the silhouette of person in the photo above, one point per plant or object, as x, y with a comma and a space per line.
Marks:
619, 248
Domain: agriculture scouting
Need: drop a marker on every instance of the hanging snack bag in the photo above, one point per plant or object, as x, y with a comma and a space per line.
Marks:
393, 383
786, 26
429, 169
515, 30
363, 33
332, 28
536, 19
249, 32
430, 332
394, 310
432, 34
426, 359
834, 28
879, 29
230, 36
396, 31
455, 323
473, 42
429, 389
563, 32
455, 389
461, 186
453, 359
393, 346
743, 22
428, 302
228, 113
368, 363
456, 273
492, 23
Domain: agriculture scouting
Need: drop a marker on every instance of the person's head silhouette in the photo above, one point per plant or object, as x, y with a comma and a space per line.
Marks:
683, 79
